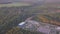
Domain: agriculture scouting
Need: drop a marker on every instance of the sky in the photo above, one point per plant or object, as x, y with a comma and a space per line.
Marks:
4, 1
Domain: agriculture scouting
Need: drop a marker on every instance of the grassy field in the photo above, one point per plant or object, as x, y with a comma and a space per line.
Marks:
15, 4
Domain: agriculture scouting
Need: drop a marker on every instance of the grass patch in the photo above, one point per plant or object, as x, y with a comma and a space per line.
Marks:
15, 4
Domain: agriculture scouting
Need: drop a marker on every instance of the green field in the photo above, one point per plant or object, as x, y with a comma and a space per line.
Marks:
15, 4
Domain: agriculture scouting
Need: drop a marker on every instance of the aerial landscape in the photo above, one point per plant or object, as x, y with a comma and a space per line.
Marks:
29, 16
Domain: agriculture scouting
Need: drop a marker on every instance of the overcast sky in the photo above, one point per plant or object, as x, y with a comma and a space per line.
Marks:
3, 1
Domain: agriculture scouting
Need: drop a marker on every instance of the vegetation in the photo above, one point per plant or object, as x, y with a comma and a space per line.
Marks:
50, 18
11, 16
15, 4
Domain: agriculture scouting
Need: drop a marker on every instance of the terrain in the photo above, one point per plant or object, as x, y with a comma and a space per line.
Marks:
12, 14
